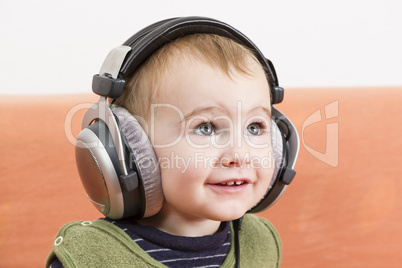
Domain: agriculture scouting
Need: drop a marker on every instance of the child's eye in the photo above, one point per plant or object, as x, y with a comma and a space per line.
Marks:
256, 128
205, 128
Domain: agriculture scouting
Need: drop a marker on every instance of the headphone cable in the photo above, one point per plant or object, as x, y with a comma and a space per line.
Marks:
237, 228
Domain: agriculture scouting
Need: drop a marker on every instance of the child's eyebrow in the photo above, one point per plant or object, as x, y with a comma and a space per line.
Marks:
202, 110
219, 110
262, 109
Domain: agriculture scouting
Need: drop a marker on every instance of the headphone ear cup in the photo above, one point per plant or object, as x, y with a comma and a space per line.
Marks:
99, 169
142, 155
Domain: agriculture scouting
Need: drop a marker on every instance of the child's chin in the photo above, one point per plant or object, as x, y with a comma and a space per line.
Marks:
229, 215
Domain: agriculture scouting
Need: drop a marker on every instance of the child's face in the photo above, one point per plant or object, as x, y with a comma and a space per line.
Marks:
210, 133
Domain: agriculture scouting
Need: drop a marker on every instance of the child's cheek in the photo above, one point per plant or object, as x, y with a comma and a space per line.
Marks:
258, 141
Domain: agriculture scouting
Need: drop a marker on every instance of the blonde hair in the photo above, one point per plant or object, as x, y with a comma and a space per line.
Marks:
220, 52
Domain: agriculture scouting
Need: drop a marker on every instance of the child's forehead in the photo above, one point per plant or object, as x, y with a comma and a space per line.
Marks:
203, 64
196, 82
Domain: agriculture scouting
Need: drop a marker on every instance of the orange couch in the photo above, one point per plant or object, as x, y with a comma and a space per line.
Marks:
342, 210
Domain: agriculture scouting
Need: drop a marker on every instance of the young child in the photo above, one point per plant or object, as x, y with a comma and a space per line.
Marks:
204, 102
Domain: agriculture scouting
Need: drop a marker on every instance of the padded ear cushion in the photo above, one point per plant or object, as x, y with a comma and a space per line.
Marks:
277, 151
145, 158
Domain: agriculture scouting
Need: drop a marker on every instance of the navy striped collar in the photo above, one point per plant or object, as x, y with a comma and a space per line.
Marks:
166, 240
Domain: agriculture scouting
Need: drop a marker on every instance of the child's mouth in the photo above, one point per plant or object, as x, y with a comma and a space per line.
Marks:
230, 186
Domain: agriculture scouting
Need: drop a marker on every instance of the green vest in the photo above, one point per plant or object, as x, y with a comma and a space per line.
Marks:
102, 244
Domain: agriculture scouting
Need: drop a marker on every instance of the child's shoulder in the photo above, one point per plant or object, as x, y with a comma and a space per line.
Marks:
84, 230
258, 224
99, 243
261, 241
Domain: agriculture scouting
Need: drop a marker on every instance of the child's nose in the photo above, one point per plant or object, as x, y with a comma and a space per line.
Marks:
235, 156
236, 162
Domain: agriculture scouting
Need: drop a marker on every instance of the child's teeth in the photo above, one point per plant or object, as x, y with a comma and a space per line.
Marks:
231, 183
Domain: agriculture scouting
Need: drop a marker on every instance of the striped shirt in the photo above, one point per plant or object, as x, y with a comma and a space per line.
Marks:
179, 251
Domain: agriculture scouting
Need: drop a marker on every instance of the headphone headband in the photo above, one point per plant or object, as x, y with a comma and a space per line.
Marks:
144, 43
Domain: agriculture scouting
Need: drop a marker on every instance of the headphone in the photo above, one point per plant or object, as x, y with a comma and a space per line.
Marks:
115, 159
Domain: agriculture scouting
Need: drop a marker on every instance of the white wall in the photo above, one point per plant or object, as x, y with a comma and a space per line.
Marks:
56, 46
